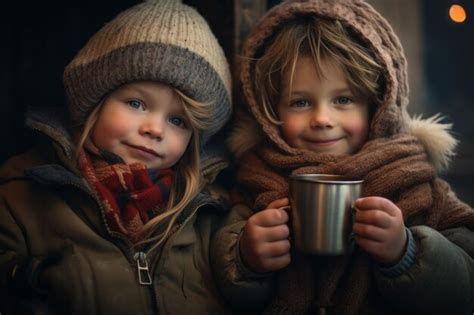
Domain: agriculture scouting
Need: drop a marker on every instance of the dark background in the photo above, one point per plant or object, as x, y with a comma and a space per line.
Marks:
448, 52
38, 39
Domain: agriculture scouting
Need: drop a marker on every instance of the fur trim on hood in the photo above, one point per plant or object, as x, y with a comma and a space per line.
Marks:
436, 138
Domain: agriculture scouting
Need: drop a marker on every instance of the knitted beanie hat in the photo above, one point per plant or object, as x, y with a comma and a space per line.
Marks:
372, 29
157, 40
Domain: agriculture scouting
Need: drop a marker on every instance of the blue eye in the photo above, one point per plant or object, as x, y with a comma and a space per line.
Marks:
343, 100
300, 104
178, 122
136, 104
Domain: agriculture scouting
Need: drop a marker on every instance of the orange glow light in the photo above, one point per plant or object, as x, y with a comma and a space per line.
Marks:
457, 13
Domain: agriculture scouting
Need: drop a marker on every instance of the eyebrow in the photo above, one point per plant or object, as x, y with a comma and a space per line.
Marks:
307, 93
144, 95
342, 91
138, 89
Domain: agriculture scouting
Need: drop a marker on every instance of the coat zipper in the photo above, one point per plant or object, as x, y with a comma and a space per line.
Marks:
144, 277
144, 271
140, 258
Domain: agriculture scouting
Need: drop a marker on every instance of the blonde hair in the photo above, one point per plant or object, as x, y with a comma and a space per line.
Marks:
187, 177
320, 39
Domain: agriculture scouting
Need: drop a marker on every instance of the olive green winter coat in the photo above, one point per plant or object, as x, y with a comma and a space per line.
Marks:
53, 232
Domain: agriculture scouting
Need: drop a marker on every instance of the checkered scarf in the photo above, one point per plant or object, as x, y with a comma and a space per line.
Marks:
131, 195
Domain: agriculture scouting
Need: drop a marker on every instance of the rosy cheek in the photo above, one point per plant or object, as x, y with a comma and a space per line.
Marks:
358, 130
287, 136
107, 131
118, 129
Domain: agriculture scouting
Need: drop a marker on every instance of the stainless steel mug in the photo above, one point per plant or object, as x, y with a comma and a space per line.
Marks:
322, 212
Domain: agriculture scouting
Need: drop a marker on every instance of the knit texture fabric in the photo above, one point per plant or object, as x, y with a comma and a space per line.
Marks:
130, 194
395, 168
157, 40
392, 163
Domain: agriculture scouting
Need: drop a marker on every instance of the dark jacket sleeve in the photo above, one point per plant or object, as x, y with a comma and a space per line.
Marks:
14, 267
441, 281
242, 288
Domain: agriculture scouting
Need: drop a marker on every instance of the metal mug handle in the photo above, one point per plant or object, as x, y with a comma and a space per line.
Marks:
351, 244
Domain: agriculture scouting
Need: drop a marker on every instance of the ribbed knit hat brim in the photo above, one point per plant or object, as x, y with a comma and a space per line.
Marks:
160, 40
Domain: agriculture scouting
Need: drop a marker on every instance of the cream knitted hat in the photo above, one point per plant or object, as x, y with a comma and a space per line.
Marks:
158, 40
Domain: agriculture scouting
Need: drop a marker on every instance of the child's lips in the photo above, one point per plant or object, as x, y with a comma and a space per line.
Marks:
143, 149
324, 142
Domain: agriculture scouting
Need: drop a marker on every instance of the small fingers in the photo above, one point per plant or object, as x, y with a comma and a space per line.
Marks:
374, 217
274, 249
277, 233
370, 232
370, 246
277, 263
267, 234
374, 202
278, 203
268, 256
269, 217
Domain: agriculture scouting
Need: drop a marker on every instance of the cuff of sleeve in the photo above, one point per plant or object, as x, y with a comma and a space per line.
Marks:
405, 263
23, 276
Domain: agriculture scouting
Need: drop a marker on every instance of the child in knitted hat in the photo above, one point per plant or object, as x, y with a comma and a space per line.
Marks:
325, 86
113, 210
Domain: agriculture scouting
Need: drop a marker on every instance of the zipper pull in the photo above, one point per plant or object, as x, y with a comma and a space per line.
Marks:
144, 277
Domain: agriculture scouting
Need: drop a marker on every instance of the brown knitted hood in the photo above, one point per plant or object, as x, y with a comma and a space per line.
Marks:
391, 116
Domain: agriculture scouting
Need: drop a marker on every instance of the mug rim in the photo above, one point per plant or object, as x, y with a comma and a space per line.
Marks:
326, 179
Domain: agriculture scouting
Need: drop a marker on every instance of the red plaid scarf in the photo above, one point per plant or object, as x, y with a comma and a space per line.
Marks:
130, 194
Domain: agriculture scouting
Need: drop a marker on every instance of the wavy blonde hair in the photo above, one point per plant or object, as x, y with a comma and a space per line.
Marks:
321, 39
187, 177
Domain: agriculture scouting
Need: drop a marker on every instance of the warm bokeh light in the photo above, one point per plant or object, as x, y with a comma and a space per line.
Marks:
457, 13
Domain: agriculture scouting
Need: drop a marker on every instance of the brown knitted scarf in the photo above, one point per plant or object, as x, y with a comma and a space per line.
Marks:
397, 169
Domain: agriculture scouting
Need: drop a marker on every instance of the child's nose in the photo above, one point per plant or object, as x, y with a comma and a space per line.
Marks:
153, 127
321, 117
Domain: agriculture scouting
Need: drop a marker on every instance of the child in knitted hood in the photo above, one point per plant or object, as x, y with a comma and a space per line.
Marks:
112, 212
325, 86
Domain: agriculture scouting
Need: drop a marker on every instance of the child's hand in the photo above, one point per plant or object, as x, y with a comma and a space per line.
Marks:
264, 244
379, 229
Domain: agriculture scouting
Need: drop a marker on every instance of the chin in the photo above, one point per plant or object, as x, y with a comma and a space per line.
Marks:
133, 161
